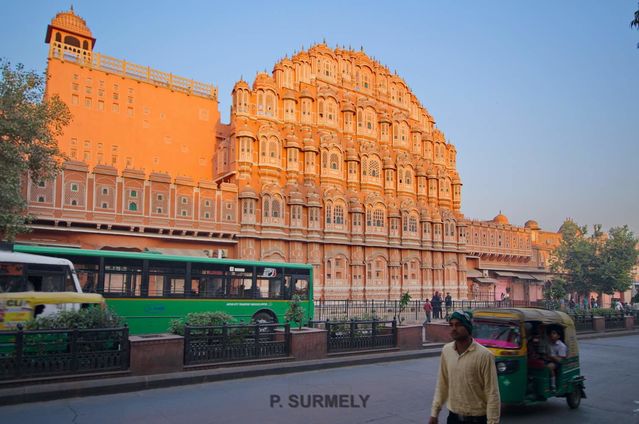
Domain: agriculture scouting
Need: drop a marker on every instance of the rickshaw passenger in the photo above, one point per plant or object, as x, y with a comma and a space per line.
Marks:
557, 351
534, 342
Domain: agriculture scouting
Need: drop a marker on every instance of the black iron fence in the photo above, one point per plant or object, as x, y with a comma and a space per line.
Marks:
353, 335
42, 353
229, 343
614, 320
583, 322
391, 309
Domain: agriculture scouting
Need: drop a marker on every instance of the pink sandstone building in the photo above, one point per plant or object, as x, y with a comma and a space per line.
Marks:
329, 160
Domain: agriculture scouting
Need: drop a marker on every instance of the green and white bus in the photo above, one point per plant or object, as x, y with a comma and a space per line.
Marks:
148, 289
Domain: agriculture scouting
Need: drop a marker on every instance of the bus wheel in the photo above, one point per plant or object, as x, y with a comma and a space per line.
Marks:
264, 317
574, 398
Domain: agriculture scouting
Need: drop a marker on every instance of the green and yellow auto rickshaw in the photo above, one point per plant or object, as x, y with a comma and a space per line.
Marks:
519, 338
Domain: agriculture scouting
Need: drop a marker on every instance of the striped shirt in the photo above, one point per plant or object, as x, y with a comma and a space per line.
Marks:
467, 383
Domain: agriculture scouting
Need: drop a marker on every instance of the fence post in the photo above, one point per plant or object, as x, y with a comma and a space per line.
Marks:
256, 339
328, 334
374, 332
352, 335
187, 342
287, 338
394, 333
126, 348
19, 350
73, 348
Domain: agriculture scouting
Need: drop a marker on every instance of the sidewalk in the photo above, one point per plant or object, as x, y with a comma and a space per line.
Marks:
37, 391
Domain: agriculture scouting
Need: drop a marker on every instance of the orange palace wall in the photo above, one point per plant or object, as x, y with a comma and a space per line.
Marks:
125, 122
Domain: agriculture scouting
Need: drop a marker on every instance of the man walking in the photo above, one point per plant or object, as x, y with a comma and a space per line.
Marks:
428, 309
467, 380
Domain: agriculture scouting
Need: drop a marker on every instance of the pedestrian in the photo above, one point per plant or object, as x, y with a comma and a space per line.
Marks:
467, 380
592, 302
448, 301
585, 303
437, 305
428, 309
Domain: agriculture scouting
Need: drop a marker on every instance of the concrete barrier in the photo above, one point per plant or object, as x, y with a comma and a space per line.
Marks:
156, 354
409, 337
439, 333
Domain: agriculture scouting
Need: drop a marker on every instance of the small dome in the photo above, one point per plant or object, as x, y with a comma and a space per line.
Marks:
532, 224
263, 80
501, 219
241, 84
71, 22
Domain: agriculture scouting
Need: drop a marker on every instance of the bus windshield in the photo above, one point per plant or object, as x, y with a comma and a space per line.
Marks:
500, 334
21, 272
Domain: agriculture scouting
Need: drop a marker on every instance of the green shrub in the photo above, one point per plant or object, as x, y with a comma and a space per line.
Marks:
295, 313
199, 319
86, 318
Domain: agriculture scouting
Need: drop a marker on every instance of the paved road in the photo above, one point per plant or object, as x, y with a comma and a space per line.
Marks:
393, 393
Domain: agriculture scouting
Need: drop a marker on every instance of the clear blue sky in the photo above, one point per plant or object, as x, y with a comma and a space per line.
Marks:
541, 98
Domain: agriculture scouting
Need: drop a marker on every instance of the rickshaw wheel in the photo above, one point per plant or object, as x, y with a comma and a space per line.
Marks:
574, 398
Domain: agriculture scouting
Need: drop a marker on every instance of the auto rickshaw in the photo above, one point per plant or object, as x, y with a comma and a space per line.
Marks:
19, 308
519, 339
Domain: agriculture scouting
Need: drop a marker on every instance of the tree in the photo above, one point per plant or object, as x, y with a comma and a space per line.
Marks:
599, 262
404, 300
29, 126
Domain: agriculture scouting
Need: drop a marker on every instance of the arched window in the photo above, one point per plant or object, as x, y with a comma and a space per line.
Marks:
328, 213
408, 177
266, 207
275, 208
339, 215
412, 224
334, 161
378, 218
133, 206
374, 168
72, 41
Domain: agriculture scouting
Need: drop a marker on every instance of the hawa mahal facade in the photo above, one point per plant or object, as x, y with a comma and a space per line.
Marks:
329, 160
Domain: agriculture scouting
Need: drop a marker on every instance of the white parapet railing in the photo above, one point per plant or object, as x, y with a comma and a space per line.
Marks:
112, 65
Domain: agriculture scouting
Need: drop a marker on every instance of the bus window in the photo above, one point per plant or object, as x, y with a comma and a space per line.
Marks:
88, 277
167, 280
269, 288
241, 285
301, 288
122, 280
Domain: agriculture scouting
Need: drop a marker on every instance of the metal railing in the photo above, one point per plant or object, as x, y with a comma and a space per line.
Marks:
352, 335
583, 322
390, 309
123, 68
229, 343
41, 353
615, 320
